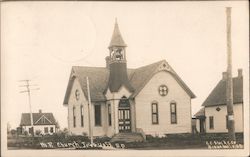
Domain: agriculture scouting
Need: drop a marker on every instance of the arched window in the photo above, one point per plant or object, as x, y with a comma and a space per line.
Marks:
154, 108
81, 113
109, 115
98, 115
74, 117
173, 111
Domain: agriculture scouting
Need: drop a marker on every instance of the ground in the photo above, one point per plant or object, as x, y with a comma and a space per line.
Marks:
176, 141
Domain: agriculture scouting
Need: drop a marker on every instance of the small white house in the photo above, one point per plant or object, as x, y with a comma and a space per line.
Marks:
151, 99
44, 122
212, 118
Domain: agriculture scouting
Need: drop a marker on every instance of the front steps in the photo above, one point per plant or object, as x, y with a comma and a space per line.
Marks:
127, 137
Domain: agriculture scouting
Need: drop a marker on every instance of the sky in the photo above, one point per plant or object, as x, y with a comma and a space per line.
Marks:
41, 41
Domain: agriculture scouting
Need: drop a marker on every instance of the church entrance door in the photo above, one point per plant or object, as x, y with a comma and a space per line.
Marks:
124, 116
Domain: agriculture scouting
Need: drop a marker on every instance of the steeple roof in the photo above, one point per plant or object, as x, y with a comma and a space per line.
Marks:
117, 39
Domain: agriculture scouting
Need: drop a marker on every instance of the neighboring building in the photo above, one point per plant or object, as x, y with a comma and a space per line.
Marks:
212, 118
151, 99
200, 120
45, 122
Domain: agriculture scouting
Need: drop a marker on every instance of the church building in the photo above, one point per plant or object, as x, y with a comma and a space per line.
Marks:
150, 100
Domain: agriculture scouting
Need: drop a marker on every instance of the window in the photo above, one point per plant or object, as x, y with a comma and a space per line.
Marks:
74, 117
227, 121
51, 129
31, 130
46, 130
211, 122
109, 115
155, 113
81, 110
98, 115
173, 113
163, 90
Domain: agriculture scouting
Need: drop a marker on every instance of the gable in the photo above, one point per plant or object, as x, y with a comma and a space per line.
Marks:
175, 90
98, 78
42, 121
76, 93
143, 75
123, 91
38, 119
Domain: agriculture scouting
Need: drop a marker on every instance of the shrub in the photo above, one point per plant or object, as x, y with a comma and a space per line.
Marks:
25, 133
13, 132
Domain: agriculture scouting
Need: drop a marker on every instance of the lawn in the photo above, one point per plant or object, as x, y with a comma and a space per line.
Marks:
171, 141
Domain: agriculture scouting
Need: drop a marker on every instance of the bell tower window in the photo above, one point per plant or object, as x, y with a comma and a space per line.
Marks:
117, 53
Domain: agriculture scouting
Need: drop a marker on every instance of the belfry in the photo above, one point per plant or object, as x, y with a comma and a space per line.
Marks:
117, 62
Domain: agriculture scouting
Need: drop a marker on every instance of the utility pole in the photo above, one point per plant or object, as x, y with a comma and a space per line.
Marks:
229, 82
27, 85
90, 113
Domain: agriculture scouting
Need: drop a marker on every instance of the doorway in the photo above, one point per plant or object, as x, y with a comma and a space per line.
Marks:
124, 115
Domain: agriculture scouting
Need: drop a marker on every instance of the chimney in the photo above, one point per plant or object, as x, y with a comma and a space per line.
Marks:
40, 111
240, 73
107, 61
224, 75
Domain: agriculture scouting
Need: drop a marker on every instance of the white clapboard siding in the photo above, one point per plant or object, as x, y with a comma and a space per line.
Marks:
220, 118
175, 93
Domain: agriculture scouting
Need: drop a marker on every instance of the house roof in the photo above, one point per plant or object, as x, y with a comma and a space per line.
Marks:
218, 94
38, 119
99, 76
117, 39
200, 113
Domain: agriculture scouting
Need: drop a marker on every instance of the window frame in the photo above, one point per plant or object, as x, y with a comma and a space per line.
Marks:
100, 114
156, 113
211, 122
159, 90
74, 117
81, 114
226, 121
51, 130
173, 113
46, 130
109, 115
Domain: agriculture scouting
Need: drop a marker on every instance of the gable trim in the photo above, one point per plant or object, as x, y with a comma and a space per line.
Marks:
43, 116
171, 71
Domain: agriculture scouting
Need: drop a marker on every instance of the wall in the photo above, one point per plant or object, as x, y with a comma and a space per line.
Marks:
79, 130
150, 93
40, 127
220, 118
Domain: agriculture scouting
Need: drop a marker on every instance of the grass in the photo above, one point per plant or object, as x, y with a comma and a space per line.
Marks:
170, 141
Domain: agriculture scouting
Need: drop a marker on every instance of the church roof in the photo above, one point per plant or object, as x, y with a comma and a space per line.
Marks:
99, 76
37, 119
117, 39
218, 94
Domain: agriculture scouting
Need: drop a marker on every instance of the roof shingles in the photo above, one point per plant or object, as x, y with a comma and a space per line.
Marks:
25, 119
218, 94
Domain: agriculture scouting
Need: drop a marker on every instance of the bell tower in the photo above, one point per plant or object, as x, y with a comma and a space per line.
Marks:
117, 46
117, 62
